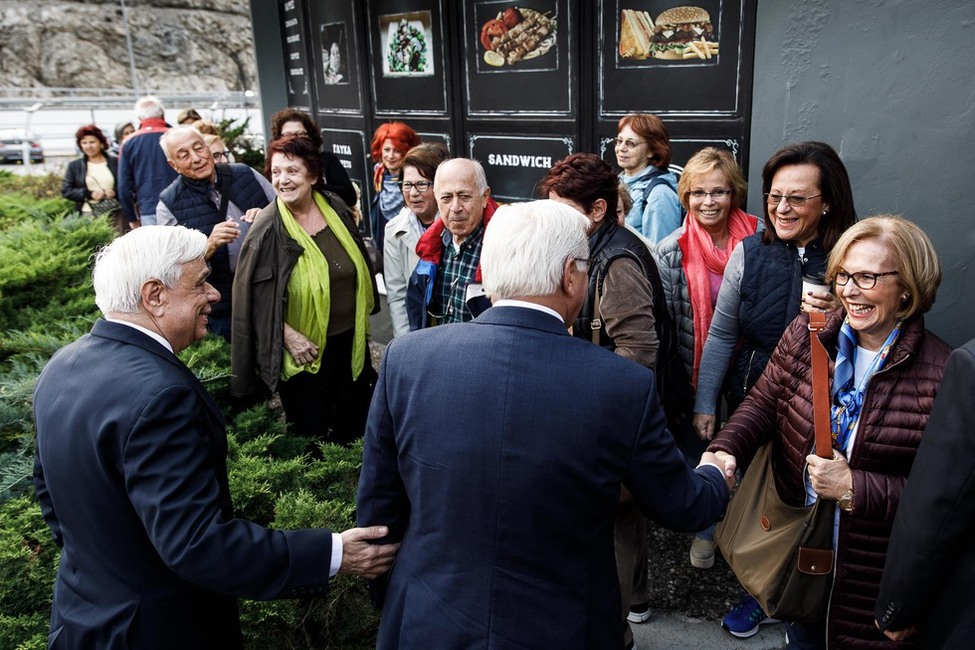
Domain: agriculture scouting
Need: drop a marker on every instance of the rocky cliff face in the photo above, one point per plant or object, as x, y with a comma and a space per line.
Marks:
179, 46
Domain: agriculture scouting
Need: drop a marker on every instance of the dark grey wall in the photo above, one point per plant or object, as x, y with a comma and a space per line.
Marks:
891, 85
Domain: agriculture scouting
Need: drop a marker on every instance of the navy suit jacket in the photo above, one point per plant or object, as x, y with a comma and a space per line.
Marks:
495, 451
131, 476
930, 570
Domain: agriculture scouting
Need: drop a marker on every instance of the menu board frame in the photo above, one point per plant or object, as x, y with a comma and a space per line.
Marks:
337, 24
296, 64
419, 90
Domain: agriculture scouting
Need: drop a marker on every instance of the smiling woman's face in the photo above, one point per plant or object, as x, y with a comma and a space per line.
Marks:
798, 224
291, 180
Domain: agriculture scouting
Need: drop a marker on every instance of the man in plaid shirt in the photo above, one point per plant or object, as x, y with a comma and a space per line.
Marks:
462, 194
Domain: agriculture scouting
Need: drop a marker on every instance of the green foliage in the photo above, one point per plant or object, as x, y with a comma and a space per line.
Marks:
45, 272
241, 145
37, 186
276, 479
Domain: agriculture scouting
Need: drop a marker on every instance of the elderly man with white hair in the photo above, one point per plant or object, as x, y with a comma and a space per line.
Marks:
495, 452
218, 200
142, 168
131, 472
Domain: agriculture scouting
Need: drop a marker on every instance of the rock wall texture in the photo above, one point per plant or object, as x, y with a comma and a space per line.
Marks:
179, 46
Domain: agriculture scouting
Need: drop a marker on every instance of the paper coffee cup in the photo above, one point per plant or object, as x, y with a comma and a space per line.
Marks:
813, 283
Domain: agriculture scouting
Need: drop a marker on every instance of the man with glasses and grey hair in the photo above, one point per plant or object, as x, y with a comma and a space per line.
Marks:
495, 452
218, 200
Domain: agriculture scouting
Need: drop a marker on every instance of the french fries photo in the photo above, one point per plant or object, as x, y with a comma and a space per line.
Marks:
701, 49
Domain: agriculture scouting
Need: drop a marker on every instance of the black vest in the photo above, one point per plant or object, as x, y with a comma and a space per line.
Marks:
771, 291
609, 243
189, 201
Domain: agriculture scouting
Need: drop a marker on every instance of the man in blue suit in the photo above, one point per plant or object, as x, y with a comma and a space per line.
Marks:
131, 472
495, 451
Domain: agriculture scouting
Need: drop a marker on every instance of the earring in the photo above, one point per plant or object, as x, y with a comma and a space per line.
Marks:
905, 297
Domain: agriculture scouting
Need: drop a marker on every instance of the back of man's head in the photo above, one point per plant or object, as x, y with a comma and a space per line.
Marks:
148, 107
526, 246
146, 253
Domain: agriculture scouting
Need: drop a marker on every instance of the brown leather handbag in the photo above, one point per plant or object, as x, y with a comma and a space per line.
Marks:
783, 555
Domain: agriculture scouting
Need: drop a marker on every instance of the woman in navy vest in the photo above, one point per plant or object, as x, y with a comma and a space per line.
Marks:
809, 204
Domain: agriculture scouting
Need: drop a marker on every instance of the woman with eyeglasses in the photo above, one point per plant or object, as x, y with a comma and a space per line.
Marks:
291, 121
886, 372
643, 151
221, 154
692, 265
404, 230
809, 204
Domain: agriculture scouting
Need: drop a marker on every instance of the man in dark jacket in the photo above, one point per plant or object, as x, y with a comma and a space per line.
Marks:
142, 168
927, 583
217, 200
625, 312
131, 473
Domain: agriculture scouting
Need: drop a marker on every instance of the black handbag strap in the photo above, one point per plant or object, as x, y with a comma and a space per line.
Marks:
820, 382
226, 179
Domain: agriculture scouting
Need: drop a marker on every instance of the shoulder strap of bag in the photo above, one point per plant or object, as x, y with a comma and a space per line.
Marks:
597, 323
820, 382
225, 176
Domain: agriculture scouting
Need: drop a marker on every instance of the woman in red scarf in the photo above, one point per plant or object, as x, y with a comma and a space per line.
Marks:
692, 261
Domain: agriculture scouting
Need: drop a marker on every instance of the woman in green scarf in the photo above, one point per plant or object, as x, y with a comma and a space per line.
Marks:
306, 291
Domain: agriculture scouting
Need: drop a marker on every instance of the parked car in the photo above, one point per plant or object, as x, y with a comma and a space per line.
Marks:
12, 147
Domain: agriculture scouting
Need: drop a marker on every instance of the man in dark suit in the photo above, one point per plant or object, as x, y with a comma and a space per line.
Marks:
496, 449
930, 570
131, 472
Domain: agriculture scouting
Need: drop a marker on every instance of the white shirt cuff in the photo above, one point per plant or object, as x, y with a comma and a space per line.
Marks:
336, 563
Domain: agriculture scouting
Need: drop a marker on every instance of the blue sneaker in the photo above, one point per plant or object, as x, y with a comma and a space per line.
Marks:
745, 618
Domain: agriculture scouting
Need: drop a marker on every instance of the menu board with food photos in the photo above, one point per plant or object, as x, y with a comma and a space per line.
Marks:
334, 46
350, 146
514, 165
682, 147
518, 58
297, 70
409, 74
668, 58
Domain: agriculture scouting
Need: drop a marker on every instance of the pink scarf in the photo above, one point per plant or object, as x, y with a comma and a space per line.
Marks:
700, 257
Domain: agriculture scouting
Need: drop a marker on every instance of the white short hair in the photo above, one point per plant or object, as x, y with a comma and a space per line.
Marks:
149, 106
169, 134
526, 246
146, 253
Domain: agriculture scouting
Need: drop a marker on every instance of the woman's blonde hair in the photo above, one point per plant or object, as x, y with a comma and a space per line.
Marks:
914, 258
704, 162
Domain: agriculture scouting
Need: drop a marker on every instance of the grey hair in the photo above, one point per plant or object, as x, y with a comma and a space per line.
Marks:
146, 253
169, 134
149, 106
480, 178
526, 246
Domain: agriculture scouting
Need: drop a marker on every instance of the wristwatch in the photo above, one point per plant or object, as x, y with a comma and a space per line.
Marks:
845, 502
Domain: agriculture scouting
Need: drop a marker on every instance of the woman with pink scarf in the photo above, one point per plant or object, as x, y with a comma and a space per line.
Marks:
692, 261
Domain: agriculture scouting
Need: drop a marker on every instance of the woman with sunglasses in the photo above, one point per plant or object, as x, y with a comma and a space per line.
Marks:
809, 204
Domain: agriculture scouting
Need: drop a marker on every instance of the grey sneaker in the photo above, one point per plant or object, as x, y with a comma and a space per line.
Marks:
639, 613
702, 553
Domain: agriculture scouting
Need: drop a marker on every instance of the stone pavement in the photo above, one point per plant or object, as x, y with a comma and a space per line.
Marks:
672, 631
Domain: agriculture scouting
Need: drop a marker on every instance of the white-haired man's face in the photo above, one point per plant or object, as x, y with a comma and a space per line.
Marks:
461, 204
189, 155
182, 312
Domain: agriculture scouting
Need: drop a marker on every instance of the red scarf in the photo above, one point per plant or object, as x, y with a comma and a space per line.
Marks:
430, 245
701, 257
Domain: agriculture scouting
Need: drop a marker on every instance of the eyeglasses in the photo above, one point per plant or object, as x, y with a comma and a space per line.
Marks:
629, 144
714, 194
863, 279
794, 200
221, 155
297, 134
420, 186
582, 264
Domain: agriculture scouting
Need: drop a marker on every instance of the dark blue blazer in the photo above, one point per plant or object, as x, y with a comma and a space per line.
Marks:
131, 476
495, 451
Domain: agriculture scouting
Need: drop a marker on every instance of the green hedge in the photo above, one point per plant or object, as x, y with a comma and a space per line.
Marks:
45, 302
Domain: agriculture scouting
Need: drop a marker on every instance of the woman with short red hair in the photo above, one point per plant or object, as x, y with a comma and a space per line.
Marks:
389, 146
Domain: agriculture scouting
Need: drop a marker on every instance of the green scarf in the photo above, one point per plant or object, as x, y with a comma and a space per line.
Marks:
309, 294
